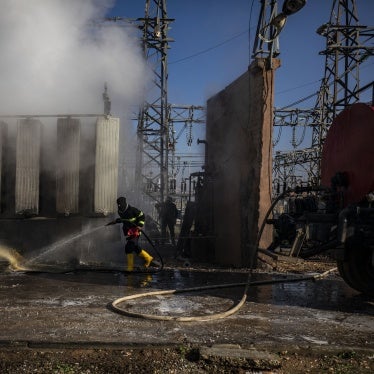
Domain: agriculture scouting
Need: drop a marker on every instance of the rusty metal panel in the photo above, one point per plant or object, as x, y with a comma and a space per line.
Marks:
106, 165
67, 173
28, 166
348, 148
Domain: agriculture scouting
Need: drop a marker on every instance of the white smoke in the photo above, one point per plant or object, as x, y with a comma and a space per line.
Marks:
56, 56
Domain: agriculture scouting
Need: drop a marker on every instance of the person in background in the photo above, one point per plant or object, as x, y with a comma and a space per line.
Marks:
168, 215
132, 220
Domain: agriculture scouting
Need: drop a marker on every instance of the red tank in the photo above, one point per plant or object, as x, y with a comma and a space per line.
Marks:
349, 149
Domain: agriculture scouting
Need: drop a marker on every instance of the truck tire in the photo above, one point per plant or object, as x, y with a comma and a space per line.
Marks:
357, 269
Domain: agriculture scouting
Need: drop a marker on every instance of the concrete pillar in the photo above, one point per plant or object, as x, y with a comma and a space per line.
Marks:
261, 115
27, 166
239, 136
67, 173
106, 165
227, 119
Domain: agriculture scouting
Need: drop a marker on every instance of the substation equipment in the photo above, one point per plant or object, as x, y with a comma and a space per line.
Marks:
59, 177
329, 209
328, 215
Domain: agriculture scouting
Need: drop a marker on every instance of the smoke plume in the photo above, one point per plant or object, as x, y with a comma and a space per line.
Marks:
56, 56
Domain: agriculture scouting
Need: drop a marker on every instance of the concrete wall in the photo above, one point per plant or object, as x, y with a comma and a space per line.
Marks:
239, 128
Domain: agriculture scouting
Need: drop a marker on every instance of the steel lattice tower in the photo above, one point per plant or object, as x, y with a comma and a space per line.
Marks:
157, 119
153, 127
156, 163
346, 48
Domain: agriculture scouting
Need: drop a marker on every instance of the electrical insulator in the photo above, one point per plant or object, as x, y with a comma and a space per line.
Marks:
173, 184
183, 187
149, 185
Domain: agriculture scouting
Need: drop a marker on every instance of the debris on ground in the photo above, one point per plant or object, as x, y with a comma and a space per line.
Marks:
181, 359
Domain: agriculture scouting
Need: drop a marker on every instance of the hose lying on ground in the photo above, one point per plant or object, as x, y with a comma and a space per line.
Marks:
116, 308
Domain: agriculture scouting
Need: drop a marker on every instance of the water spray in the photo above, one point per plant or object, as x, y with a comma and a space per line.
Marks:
54, 246
16, 261
19, 263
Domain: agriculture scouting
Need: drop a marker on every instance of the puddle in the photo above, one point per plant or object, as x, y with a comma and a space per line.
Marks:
326, 294
330, 294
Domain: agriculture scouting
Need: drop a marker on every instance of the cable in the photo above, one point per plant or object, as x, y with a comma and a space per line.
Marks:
209, 49
114, 306
300, 86
300, 101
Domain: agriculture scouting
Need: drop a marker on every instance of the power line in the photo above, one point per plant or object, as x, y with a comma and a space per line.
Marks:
301, 86
301, 100
363, 66
211, 48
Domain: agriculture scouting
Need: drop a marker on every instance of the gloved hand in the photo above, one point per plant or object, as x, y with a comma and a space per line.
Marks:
133, 232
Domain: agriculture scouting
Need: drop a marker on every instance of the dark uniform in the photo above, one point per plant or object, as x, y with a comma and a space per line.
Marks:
132, 220
168, 214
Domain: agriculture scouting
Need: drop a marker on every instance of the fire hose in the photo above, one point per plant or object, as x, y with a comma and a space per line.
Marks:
116, 308
115, 305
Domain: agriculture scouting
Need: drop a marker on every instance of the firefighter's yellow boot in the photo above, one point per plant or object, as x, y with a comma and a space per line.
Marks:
146, 257
130, 262
146, 280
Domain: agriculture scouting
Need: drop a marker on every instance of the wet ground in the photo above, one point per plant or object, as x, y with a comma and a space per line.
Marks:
73, 307
40, 309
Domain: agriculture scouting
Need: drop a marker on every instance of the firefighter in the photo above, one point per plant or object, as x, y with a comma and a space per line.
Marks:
132, 220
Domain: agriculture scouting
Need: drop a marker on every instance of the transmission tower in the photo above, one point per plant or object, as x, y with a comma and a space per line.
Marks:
180, 119
346, 48
157, 119
153, 126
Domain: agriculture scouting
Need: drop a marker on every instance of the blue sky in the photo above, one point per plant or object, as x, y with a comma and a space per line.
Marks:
201, 25
212, 47
70, 56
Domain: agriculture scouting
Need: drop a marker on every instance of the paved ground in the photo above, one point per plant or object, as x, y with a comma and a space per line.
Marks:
73, 307
71, 310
